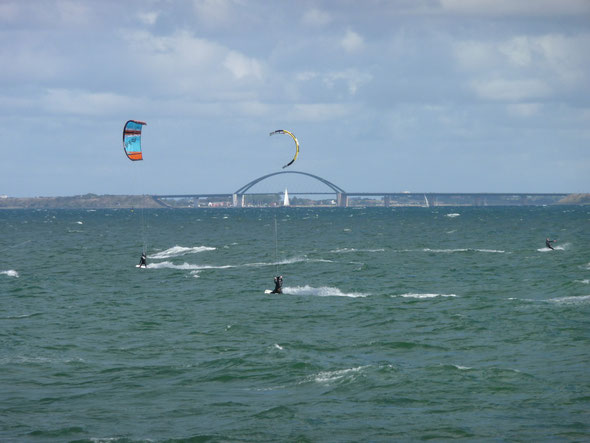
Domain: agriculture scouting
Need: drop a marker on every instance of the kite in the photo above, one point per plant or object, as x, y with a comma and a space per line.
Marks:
132, 139
283, 131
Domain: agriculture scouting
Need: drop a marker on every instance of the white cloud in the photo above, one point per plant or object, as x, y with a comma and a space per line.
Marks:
184, 64
475, 55
518, 51
524, 109
31, 59
216, 12
242, 66
86, 103
352, 42
316, 17
526, 67
353, 79
148, 18
73, 12
320, 111
516, 7
511, 90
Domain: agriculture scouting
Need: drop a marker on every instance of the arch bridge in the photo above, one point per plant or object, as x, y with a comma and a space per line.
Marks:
238, 196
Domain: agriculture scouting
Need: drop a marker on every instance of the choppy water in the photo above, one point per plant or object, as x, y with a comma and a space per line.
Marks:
396, 324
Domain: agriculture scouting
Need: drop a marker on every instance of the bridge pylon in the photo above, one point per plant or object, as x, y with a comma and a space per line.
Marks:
238, 200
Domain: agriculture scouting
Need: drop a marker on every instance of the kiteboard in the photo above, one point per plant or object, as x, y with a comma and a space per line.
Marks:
267, 291
140, 266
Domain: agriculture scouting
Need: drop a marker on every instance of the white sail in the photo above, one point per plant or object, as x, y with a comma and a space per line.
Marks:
286, 198
426, 202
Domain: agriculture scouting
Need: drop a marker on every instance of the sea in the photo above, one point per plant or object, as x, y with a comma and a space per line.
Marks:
395, 324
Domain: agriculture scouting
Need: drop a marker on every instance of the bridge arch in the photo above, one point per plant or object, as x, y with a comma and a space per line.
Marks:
247, 186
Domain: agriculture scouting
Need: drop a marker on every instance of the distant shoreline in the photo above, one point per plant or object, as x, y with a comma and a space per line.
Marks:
93, 201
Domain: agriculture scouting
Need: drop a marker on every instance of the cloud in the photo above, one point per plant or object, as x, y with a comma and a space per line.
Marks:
524, 66
184, 64
352, 42
516, 7
73, 12
78, 102
242, 66
213, 13
320, 111
148, 18
511, 90
316, 17
524, 109
351, 77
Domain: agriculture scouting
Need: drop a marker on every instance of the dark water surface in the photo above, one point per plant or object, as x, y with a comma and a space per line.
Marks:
396, 324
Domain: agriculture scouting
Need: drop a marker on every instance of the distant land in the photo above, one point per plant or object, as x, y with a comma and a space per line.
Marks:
93, 201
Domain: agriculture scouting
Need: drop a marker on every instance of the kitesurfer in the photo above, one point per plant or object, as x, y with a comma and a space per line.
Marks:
278, 285
143, 260
548, 243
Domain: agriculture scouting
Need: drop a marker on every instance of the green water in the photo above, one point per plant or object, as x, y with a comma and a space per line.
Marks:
395, 325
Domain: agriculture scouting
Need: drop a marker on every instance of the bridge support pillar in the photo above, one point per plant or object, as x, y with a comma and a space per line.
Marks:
238, 200
342, 200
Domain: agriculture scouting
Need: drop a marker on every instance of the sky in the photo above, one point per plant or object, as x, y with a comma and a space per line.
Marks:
383, 95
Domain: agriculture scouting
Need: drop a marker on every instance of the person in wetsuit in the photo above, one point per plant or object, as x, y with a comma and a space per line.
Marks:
278, 285
548, 243
143, 260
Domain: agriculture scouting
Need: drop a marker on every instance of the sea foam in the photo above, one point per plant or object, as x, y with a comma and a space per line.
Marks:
177, 251
323, 291
574, 300
184, 266
419, 296
9, 273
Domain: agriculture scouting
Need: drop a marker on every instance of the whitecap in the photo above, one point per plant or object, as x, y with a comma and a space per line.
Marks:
445, 250
346, 250
177, 251
79, 223
277, 346
462, 368
489, 251
323, 291
584, 281
184, 266
452, 215
9, 273
332, 376
289, 261
575, 300
420, 296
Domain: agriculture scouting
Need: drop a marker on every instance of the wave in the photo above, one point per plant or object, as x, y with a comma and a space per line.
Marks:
346, 250
9, 273
289, 261
415, 295
195, 268
333, 376
575, 300
177, 251
185, 266
453, 215
323, 291
492, 251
